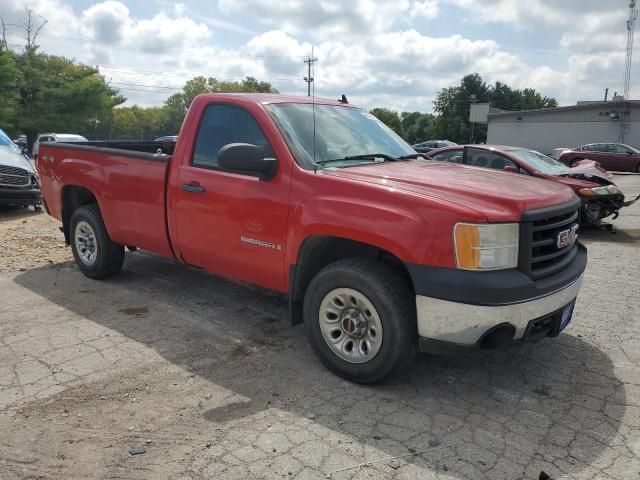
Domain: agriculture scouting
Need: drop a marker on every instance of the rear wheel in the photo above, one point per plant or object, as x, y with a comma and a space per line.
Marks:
95, 254
360, 318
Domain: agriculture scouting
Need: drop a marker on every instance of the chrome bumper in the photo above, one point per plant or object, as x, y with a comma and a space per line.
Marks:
464, 324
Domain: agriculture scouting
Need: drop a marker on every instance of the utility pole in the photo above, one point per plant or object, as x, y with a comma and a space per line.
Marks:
631, 27
309, 79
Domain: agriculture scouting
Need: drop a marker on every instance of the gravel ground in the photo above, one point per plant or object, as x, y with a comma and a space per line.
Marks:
167, 372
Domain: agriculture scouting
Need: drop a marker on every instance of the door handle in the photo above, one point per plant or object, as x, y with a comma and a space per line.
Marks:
193, 188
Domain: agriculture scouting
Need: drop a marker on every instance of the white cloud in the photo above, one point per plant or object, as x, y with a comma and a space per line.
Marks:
425, 9
107, 22
331, 17
373, 51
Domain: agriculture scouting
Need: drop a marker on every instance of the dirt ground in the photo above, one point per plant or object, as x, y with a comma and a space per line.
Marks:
165, 372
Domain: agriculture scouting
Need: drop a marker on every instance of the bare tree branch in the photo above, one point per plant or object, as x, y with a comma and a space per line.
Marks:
31, 27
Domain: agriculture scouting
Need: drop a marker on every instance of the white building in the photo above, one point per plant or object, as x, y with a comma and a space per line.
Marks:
549, 128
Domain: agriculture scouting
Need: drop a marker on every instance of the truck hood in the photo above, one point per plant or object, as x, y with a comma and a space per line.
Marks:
11, 158
500, 196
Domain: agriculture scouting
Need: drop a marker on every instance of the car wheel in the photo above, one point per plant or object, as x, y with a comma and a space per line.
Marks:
360, 318
95, 254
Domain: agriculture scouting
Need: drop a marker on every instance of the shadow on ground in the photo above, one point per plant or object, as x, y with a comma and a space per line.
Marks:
627, 236
15, 213
557, 402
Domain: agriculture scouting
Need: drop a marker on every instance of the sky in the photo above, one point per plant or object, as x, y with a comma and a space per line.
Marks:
390, 53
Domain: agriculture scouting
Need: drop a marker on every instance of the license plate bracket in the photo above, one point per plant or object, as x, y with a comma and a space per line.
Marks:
566, 316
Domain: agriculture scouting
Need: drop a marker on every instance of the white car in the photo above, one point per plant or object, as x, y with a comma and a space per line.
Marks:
58, 138
557, 152
19, 183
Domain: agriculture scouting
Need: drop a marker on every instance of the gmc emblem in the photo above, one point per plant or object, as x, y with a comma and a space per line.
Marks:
566, 238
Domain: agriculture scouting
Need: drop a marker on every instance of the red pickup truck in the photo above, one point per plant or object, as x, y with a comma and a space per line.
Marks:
381, 251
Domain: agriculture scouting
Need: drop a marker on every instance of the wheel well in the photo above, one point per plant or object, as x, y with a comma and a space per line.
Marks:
320, 251
74, 196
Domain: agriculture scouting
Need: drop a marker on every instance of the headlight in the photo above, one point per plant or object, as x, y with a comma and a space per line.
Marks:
592, 192
486, 246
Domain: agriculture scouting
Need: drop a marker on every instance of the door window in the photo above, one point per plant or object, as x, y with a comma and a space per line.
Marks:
454, 156
615, 148
487, 159
222, 125
599, 147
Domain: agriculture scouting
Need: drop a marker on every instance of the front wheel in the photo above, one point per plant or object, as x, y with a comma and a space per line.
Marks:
360, 318
95, 254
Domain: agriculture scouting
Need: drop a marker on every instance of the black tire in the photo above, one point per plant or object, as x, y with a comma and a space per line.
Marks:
394, 302
109, 257
574, 163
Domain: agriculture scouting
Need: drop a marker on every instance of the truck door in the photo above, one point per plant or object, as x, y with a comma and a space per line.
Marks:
229, 223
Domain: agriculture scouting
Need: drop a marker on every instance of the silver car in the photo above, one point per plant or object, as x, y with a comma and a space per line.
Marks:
19, 183
58, 138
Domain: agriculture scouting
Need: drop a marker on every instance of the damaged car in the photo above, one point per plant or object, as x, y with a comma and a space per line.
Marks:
601, 198
19, 183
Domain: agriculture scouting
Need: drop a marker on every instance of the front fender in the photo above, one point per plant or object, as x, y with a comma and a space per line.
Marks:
399, 231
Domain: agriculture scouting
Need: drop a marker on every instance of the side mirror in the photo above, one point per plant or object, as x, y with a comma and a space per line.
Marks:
511, 169
247, 158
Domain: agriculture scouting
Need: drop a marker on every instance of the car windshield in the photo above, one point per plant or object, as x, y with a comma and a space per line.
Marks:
340, 132
540, 162
6, 143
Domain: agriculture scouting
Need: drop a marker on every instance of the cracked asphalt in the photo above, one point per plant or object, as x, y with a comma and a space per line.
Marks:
210, 380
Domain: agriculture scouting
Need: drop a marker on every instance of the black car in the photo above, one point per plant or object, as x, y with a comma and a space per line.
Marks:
426, 147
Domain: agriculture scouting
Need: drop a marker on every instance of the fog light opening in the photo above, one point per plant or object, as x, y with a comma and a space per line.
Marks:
500, 336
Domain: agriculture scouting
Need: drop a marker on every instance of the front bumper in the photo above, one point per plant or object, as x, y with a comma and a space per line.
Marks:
20, 196
448, 327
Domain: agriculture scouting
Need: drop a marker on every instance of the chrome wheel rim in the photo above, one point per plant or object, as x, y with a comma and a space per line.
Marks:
350, 325
86, 246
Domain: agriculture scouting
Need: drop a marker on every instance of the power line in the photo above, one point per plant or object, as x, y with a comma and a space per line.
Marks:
146, 86
133, 47
153, 73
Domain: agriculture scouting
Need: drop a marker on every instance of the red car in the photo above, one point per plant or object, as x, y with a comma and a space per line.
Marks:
600, 197
616, 157
380, 252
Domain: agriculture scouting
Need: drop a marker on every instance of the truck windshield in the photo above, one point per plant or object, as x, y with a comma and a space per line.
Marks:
340, 132
540, 162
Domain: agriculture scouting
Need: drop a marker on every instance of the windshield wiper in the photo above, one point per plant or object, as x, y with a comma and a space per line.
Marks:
366, 156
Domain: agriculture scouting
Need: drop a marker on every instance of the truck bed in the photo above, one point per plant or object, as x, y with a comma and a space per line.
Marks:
127, 180
129, 145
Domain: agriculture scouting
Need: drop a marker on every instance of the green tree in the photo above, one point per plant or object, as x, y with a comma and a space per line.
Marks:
452, 106
55, 94
390, 118
178, 103
417, 126
8, 82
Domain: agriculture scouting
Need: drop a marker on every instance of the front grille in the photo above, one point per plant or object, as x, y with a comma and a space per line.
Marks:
540, 255
13, 177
